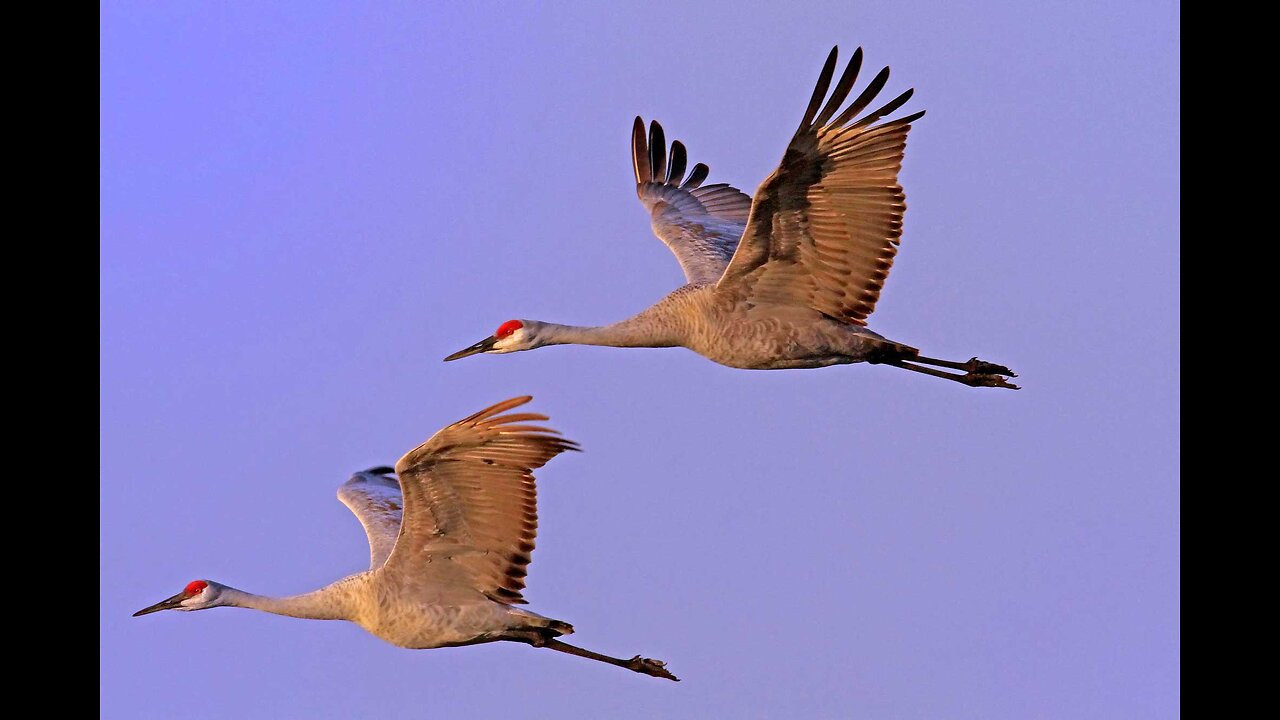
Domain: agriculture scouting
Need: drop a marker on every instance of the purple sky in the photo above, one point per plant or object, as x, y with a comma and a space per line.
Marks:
304, 207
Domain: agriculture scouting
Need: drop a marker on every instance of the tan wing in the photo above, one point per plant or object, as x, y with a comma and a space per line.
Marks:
470, 500
825, 226
375, 500
700, 224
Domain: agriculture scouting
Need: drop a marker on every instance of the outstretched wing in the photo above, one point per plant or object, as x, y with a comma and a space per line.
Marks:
375, 500
825, 226
701, 224
470, 510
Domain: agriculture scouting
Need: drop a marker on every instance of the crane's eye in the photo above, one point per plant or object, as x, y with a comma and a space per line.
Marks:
508, 327
195, 587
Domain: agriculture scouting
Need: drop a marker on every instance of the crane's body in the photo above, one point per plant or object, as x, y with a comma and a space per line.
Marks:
730, 330
415, 615
449, 542
785, 279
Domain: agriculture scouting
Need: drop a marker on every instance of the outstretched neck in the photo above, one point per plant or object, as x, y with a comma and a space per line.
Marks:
651, 328
327, 603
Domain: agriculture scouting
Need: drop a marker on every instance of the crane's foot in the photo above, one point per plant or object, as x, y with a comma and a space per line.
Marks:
982, 367
980, 373
977, 373
974, 379
649, 666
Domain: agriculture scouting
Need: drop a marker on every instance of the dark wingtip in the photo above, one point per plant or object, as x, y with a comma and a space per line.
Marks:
640, 153
864, 99
700, 173
676, 163
381, 470
657, 152
841, 91
886, 109
820, 89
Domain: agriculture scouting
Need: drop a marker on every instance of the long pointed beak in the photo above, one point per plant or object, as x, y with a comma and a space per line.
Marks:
484, 345
168, 604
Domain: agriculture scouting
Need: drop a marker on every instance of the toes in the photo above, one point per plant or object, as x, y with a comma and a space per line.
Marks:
649, 666
983, 367
657, 668
985, 380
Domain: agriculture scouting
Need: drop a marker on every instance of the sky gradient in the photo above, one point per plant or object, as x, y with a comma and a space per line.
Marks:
304, 207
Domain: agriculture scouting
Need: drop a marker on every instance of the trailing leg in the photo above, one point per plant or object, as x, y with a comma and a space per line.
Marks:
970, 378
977, 373
647, 666
974, 365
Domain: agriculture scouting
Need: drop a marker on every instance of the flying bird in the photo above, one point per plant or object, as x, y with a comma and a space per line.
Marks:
784, 280
449, 545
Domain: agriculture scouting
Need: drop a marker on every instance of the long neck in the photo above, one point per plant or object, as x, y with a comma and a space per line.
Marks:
327, 603
659, 326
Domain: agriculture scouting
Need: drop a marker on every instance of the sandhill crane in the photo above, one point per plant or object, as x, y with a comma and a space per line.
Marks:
788, 279
449, 545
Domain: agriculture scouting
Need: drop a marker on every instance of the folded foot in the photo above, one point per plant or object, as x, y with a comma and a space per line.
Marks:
977, 373
974, 379
982, 367
649, 666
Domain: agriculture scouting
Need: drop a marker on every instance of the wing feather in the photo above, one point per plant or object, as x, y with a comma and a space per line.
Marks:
470, 500
824, 228
700, 224
376, 502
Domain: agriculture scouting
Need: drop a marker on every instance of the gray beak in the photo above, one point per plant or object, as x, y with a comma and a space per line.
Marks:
168, 604
484, 345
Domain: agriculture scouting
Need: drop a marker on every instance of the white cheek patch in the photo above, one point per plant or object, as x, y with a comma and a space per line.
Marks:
510, 343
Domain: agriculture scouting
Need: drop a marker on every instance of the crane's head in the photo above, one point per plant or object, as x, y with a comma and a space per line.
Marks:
510, 336
197, 595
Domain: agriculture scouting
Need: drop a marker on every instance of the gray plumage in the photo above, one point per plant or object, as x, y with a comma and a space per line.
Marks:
788, 278
450, 543
701, 225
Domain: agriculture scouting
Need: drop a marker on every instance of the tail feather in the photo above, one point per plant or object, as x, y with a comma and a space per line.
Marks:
885, 350
522, 620
560, 628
